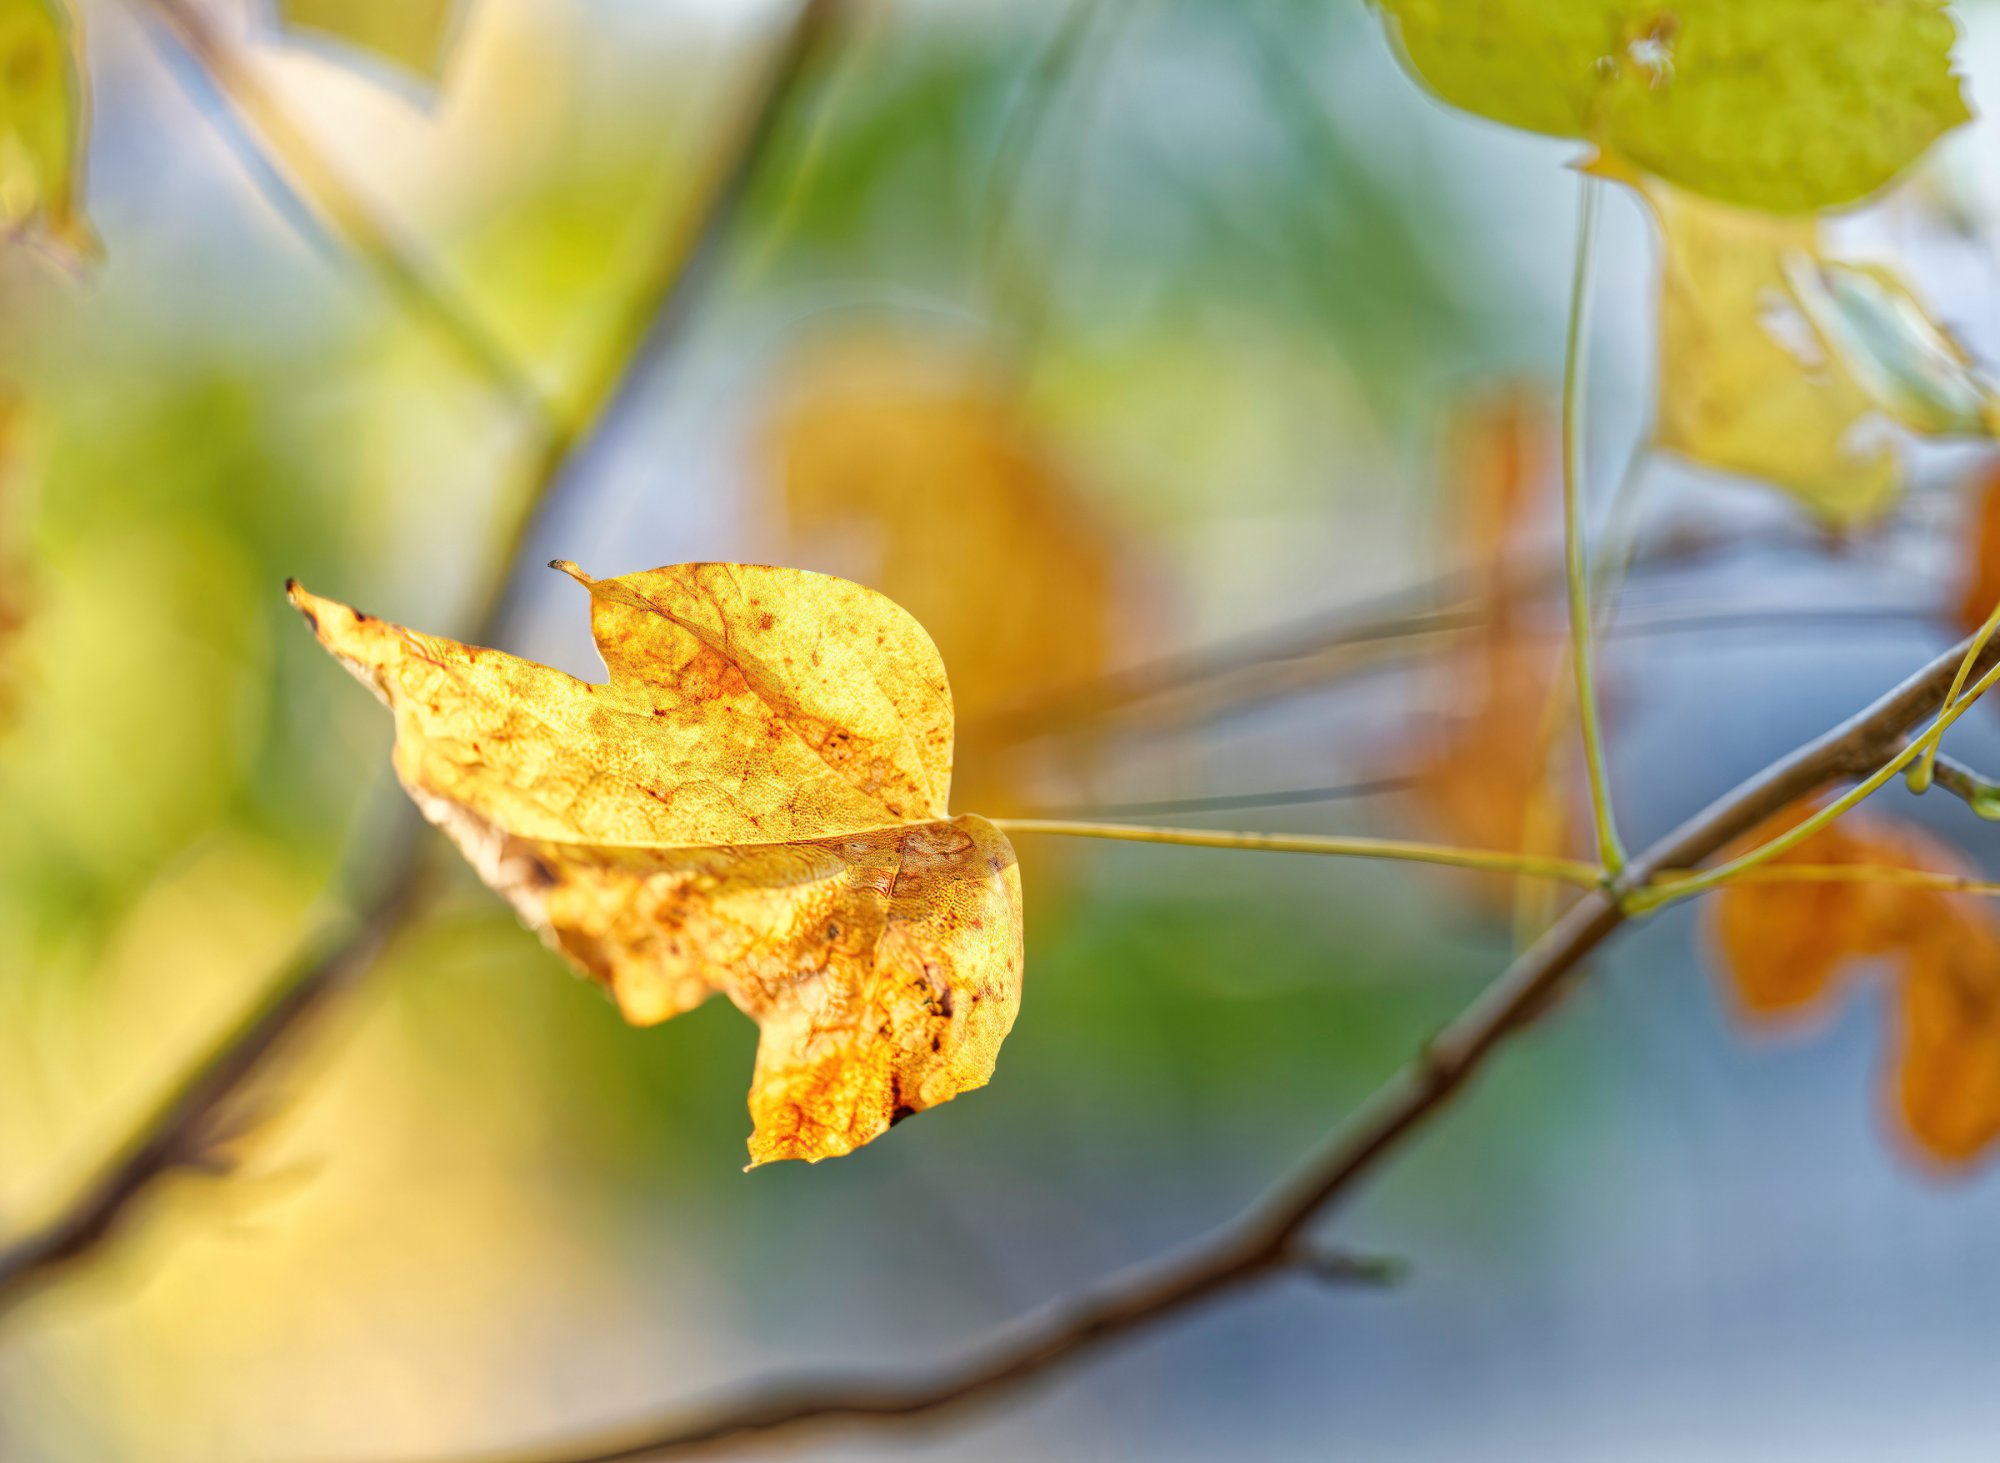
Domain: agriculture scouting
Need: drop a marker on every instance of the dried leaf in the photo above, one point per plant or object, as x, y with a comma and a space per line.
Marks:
1782, 947
411, 34
1838, 95
908, 465
1746, 381
1947, 1068
754, 803
42, 116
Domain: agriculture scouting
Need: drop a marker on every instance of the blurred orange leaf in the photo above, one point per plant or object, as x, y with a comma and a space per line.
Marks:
1783, 950
754, 803
1483, 775
1948, 1062
1502, 471
909, 465
1982, 570
1485, 778
1780, 946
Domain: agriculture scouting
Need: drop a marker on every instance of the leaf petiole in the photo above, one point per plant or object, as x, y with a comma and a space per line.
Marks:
1569, 871
1921, 774
1576, 572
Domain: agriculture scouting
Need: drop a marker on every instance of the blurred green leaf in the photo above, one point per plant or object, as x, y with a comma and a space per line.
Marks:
411, 34
42, 116
1786, 105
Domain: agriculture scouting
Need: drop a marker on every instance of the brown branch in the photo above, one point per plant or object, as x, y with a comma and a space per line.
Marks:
182, 1130
1268, 1239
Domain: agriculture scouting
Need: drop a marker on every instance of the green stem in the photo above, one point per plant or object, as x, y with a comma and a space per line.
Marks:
1671, 890
1870, 874
1576, 570
1978, 792
1607, 585
1568, 870
1921, 774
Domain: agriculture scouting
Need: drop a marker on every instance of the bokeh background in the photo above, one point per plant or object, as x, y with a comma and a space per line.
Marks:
1103, 335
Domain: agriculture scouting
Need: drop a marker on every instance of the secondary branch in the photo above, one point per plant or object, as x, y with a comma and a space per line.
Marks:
1261, 1243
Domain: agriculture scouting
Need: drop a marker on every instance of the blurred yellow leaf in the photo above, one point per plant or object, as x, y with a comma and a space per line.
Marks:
409, 33
1746, 381
755, 804
42, 117
1786, 105
908, 465
1783, 949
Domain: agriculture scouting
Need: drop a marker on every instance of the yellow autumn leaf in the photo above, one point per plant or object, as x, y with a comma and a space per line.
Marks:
42, 115
1785, 105
754, 803
408, 33
1746, 381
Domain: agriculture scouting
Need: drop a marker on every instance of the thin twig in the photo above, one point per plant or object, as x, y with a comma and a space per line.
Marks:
315, 192
1246, 670
1258, 1246
1576, 568
178, 1132
1569, 871
1976, 790
1284, 797
1921, 774
1907, 878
